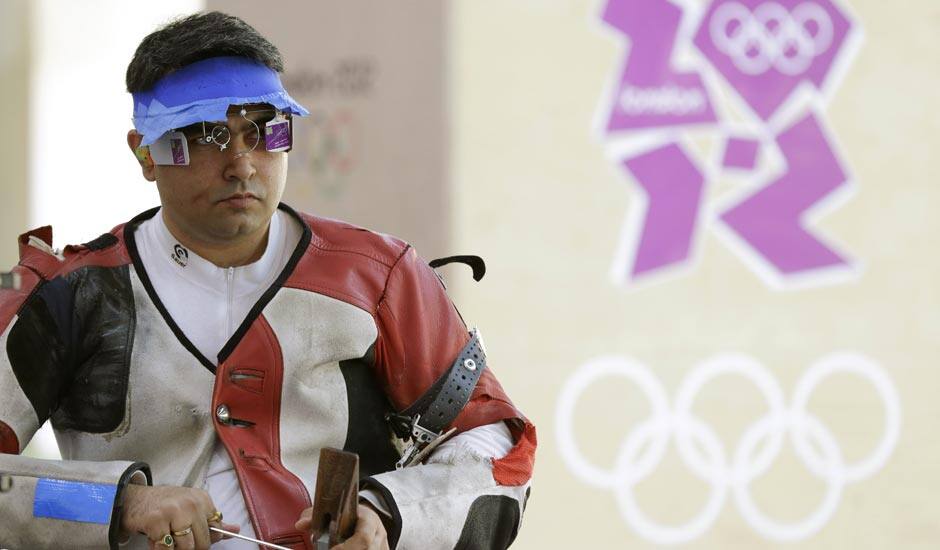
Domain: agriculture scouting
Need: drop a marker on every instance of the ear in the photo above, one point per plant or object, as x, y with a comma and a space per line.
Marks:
143, 155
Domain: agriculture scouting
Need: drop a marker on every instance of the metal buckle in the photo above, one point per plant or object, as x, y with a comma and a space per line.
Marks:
421, 437
406, 457
421, 434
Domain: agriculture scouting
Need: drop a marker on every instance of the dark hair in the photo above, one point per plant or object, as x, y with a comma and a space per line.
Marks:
194, 38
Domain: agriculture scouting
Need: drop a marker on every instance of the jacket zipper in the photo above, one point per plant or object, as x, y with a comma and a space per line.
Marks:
230, 291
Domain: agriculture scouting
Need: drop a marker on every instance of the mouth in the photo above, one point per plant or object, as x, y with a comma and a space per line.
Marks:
239, 200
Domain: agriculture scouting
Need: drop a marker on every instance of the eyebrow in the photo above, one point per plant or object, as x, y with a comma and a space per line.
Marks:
239, 125
260, 115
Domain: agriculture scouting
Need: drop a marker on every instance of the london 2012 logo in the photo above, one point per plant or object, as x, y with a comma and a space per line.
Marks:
718, 115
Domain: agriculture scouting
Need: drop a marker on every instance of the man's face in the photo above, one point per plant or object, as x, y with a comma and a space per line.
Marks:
224, 194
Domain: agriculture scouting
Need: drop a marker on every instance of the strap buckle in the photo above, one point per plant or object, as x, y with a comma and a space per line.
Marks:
440, 404
420, 433
420, 438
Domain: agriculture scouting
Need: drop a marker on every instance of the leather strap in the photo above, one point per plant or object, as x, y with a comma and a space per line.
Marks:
440, 405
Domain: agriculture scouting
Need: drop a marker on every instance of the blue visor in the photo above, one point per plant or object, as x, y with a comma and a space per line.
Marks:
204, 91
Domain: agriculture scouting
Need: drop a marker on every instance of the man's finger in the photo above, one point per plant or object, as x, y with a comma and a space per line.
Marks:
181, 522
184, 539
352, 543
377, 541
184, 542
201, 536
306, 518
369, 532
230, 527
155, 531
205, 509
371, 523
361, 539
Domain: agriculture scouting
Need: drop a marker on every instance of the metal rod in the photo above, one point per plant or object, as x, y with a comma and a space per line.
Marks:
10, 280
249, 539
6, 483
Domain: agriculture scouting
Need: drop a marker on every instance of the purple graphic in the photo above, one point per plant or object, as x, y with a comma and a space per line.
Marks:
741, 153
277, 135
650, 94
770, 220
177, 152
674, 187
765, 49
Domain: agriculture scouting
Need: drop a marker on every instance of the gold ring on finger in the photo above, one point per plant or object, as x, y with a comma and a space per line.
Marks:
183, 533
168, 541
216, 516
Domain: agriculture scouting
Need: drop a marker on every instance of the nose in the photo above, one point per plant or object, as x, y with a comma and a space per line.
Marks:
239, 164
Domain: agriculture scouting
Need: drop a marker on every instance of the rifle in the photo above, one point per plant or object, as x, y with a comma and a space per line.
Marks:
335, 499
334, 503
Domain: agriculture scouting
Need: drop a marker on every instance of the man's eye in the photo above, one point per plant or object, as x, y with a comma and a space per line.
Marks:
196, 139
191, 131
262, 117
192, 135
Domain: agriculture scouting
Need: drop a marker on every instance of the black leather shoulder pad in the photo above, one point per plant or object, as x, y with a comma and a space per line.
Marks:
70, 348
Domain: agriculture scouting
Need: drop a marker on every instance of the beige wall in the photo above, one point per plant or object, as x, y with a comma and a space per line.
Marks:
14, 89
374, 150
537, 196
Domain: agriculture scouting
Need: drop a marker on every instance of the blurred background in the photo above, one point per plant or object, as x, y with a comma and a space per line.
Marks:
706, 225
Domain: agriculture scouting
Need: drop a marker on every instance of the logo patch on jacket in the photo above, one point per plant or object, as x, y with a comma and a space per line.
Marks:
180, 255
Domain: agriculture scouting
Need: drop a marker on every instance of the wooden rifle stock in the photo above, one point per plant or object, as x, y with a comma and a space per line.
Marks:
336, 498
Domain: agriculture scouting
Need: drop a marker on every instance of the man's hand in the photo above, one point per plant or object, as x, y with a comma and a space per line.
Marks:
369, 535
158, 511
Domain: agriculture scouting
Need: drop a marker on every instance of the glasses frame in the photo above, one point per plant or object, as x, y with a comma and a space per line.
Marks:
220, 135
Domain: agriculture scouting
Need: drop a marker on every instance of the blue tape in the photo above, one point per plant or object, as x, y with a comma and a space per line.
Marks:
203, 91
74, 501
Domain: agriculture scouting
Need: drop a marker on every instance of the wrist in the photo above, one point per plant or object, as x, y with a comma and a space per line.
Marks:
384, 517
132, 484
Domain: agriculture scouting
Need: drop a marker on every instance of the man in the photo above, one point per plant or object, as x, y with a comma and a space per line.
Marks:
194, 360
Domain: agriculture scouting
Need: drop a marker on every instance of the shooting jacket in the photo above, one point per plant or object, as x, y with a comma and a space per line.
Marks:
355, 326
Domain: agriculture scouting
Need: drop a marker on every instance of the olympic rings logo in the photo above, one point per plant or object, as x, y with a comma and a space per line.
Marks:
771, 37
703, 453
